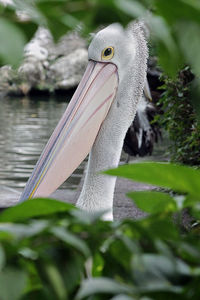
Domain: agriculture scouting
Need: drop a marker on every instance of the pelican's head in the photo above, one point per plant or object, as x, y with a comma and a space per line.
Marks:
109, 53
115, 45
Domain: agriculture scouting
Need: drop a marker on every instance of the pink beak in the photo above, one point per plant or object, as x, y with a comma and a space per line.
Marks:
75, 133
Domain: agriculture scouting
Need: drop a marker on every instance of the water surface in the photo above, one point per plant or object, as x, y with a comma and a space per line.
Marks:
25, 126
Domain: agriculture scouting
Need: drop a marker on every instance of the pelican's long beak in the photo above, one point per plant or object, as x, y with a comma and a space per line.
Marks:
75, 133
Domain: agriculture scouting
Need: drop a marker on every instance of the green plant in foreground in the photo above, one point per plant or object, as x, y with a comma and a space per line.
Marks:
51, 250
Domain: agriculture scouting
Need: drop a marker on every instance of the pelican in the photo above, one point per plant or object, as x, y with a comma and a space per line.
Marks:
96, 119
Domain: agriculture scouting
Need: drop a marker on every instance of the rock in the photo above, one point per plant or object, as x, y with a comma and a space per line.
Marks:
46, 65
6, 74
68, 70
50, 66
69, 43
36, 53
7, 80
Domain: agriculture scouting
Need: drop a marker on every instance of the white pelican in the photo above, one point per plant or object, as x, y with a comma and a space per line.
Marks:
96, 119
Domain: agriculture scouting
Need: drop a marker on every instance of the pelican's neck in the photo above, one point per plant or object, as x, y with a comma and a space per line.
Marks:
98, 189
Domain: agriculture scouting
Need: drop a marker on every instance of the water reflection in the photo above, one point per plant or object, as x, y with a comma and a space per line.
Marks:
25, 126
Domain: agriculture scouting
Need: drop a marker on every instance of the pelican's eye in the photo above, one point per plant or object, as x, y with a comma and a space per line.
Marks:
107, 53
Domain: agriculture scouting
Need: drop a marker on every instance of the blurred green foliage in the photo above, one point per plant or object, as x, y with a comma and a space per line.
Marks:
51, 250
175, 24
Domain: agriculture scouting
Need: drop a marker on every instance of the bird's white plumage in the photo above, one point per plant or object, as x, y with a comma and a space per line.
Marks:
130, 57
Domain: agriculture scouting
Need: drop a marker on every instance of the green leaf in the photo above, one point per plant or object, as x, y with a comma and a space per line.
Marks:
180, 178
29, 8
190, 46
71, 239
101, 285
12, 43
2, 258
154, 272
123, 297
161, 228
188, 251
34, 208
72, 272
97, 266
167, 46
56, 281
23, 231
12, 284
70, 21
132, 8
28, 253
182, 10
153, 202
